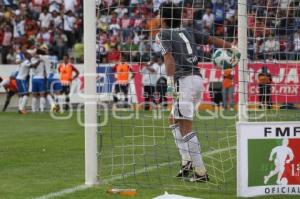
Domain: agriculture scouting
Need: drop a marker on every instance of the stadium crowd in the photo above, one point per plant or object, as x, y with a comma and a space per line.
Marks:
130, 26
33, 23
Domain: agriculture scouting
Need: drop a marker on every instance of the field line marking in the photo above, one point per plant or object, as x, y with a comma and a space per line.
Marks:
118, 177
64, 192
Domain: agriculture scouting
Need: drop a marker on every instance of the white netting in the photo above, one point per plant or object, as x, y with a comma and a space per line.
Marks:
136, 145
273, 52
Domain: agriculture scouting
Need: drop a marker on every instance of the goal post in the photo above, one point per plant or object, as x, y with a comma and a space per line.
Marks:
243, 63
90, 108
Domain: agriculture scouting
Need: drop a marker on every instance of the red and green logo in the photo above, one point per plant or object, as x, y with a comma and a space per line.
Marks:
273, 162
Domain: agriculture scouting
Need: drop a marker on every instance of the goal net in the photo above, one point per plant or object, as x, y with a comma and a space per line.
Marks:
136, 145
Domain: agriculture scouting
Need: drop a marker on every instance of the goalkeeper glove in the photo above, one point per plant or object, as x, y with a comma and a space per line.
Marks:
236, 55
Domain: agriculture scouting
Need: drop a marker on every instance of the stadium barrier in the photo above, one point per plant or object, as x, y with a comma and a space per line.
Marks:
285, 86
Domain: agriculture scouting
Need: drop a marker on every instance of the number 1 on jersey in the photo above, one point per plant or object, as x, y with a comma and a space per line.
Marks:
187, 43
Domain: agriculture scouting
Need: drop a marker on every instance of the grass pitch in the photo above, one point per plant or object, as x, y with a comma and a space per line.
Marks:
40, 155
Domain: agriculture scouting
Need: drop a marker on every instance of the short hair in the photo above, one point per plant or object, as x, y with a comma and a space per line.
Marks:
171, 14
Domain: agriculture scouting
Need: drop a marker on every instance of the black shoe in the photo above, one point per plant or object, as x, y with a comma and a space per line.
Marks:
199, 178
185, 170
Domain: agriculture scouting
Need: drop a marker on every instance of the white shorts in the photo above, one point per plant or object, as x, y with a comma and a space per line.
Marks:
189, 94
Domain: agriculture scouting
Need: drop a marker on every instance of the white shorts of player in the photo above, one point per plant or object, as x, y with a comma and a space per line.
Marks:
189, 94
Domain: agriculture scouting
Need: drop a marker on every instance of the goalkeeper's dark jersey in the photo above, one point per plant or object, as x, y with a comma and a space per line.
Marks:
182, 43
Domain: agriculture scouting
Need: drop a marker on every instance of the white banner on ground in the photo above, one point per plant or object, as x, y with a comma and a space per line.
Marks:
173, 196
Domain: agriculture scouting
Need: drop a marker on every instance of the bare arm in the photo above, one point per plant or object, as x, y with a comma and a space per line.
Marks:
169, 63
220, 43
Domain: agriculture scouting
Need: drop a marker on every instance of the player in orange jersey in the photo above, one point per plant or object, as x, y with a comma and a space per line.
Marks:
122, 76
66, 70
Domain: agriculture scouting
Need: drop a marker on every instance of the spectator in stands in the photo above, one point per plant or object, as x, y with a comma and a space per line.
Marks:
45, 18
114, 55
6, 43
101, 52
219, 11
45, 37
130, 50
27, 20
71, 5
296, 43
149, 79
78, 52
60, 44
11, 56
188, 15
231, 28
270, 48
126, 24
121, 10
36, 7
55, 6
208, 19
265, 86
57, 19
161, 84
69, 25
114, 26
19, 26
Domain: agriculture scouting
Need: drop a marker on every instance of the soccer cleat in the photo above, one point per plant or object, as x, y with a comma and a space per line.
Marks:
199, 178
54, 108
22, 112
185, 170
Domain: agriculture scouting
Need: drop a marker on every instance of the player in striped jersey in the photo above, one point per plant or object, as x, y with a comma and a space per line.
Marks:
23, 82
38, 83
53, 85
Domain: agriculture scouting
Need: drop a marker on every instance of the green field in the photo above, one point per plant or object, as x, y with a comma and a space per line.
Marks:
40, 155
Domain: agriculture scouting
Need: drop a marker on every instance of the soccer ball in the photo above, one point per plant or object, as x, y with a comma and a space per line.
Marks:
224, 59
284, 181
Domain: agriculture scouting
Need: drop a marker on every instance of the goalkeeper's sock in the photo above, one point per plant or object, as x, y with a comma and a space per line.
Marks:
194, 150
181, 145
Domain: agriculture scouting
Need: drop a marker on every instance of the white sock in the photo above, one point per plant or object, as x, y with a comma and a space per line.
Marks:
42, 103
61, 101
50, 100
34, 104
181, 145
20, 103
24, 102
194, 149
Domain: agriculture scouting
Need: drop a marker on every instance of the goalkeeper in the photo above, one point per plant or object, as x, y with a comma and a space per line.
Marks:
178, 46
